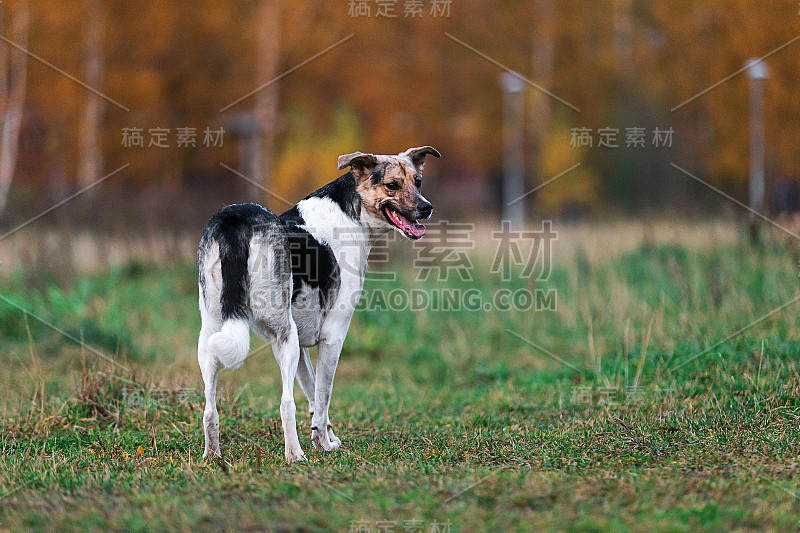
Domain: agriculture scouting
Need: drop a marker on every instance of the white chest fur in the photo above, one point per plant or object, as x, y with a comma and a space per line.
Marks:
350, 243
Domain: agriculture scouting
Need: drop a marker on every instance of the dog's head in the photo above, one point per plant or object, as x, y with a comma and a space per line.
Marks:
389, 187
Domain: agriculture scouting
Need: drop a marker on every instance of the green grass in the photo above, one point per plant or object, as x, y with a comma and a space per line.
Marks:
445, 416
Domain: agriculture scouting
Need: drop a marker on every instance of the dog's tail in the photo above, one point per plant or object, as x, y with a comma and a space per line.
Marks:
232, 344
233, 230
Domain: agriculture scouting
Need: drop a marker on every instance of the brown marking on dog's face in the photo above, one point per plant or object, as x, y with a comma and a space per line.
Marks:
389, 187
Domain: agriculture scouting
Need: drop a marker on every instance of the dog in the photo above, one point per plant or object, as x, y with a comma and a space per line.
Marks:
295, 279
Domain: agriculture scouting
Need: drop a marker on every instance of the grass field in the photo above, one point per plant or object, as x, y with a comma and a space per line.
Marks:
622, 409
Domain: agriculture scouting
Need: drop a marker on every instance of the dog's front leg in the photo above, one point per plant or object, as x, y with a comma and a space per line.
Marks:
321, 432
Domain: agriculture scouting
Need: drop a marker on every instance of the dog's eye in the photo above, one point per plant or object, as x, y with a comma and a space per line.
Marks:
418, 183
392, 185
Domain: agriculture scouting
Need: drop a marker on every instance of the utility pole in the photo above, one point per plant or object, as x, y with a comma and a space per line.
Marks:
757, 72
513, 151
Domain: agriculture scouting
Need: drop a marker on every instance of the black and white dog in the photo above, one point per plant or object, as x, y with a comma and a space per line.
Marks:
295, 279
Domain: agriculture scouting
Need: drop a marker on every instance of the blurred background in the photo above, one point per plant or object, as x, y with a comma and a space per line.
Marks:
188, 94
633, 130
126, 125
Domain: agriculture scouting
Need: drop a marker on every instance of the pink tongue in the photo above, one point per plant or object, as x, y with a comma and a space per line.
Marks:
415, 230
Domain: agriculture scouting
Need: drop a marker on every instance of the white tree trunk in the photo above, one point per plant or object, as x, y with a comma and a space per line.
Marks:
266, 102
14, 66
91, 155
542, 57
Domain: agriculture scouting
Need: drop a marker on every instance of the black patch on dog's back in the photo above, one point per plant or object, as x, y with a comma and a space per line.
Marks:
292, 217
232, 227
313, 262
342, 191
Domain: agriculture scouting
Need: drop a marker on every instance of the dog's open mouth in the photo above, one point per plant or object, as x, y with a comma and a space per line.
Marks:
411, 228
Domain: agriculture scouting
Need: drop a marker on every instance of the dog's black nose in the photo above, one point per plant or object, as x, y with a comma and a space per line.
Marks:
425, 209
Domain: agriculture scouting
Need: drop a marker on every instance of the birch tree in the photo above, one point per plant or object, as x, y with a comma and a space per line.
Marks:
91, 155
13, 73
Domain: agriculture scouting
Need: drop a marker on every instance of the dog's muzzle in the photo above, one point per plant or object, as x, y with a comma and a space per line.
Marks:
425, 210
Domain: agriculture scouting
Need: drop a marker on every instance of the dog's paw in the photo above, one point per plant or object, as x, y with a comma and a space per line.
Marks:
336, 441
294, 455
322, 442
213, 454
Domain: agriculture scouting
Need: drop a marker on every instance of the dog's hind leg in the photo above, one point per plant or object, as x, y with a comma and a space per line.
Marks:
209, 367
305, 377
321, 431
287, 353
210, 286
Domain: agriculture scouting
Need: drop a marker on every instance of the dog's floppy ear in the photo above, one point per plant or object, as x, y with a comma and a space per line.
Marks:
417, 155
359, 163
